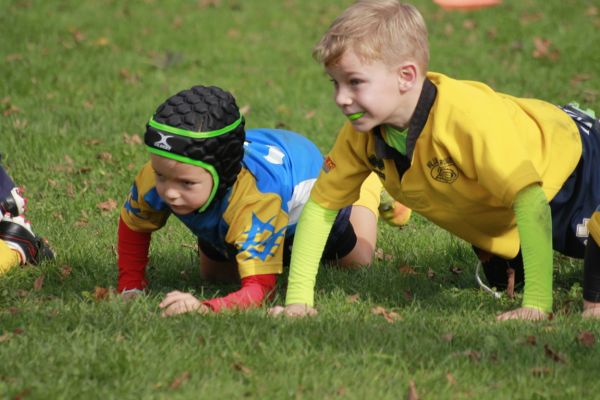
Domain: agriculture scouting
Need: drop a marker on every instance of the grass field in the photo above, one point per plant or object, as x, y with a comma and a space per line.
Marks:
80, 80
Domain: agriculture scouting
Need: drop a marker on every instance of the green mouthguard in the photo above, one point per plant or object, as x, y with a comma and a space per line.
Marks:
355, 116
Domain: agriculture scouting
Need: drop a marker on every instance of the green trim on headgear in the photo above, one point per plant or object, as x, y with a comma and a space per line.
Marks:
187, 160
196, 135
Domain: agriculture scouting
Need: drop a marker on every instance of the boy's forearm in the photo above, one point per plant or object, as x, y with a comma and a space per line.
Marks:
311, 236
253, 292
534, 223
132, 249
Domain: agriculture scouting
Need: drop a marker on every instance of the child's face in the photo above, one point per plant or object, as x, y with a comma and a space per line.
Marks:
184, 187
371, 89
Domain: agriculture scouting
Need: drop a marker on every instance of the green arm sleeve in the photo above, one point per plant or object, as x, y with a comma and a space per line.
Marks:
534, 223
312, 231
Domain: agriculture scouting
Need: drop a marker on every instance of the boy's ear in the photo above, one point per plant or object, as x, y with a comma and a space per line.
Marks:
407, 76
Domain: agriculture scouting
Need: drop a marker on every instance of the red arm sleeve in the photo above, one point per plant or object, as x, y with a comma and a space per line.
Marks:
132, 249
254, 289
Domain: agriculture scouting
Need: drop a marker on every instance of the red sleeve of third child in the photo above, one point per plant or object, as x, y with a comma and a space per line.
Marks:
132, 249
254, 290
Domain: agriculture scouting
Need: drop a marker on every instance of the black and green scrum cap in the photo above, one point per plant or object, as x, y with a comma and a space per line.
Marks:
182, 145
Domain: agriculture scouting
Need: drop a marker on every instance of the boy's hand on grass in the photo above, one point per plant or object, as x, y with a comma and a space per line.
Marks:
293, 310
177, 302
524, 314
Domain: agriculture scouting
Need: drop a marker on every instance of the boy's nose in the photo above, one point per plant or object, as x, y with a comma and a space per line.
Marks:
171, 193
342, 98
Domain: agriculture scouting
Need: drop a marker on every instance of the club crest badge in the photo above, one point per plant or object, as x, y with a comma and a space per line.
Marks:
444, 170
162, 143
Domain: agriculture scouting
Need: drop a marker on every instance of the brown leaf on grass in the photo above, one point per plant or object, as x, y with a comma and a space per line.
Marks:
450, 378
473, 355
430, 273
65, 271
238, 366
5, 336
245, 110
353, 298
92, 142
208, 3
407, 270
412, 391
102, 41
10, 110
447, 337
179, 380
528, 18
310, 114
591, 11
531, 340
555, 356
408, 296
233, 33
456, 270
390, 316
13, 57
586, 338
128, 77
39, 282
100, 293
177, 22
77, 35
108, 205
579, 78
544, 49
104, 156
380, 255
132, 139
18, 331
540, 371
22, 293
469, 24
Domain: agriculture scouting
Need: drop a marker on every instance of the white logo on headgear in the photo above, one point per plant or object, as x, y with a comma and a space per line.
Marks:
162, 143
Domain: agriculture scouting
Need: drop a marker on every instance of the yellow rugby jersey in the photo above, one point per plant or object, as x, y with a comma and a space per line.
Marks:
470, 150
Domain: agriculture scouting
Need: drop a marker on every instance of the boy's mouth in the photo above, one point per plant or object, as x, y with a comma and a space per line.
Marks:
355, 116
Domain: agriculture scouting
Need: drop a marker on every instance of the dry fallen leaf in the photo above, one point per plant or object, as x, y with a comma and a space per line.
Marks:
412, 391
352, 298
39, 282
108, 205
132, 139
532, 340
540, 371
544, 49
101, 293
450, 378
586, 338
238, 366
407, 270
555, 356
178, 381
390, 316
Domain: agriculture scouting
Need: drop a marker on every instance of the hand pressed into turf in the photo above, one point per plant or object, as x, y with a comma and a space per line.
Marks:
524, 314
293, 310
177, 302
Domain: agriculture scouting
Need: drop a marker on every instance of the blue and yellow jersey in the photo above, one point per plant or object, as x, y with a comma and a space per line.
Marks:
257, 212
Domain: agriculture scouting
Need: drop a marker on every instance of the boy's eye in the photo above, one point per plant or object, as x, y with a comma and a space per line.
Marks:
335, 84
355, 82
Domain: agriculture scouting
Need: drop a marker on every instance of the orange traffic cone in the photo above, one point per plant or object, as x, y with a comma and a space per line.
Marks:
466, 4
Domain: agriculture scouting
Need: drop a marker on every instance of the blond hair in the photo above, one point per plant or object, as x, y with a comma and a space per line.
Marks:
376, 30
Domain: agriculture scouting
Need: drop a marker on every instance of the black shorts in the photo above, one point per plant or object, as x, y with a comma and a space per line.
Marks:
340, 242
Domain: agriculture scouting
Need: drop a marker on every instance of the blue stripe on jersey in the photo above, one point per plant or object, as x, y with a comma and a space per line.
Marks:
267, 157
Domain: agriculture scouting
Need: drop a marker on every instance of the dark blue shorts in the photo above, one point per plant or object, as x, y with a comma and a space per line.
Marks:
340, 242
579, 196
6, 184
